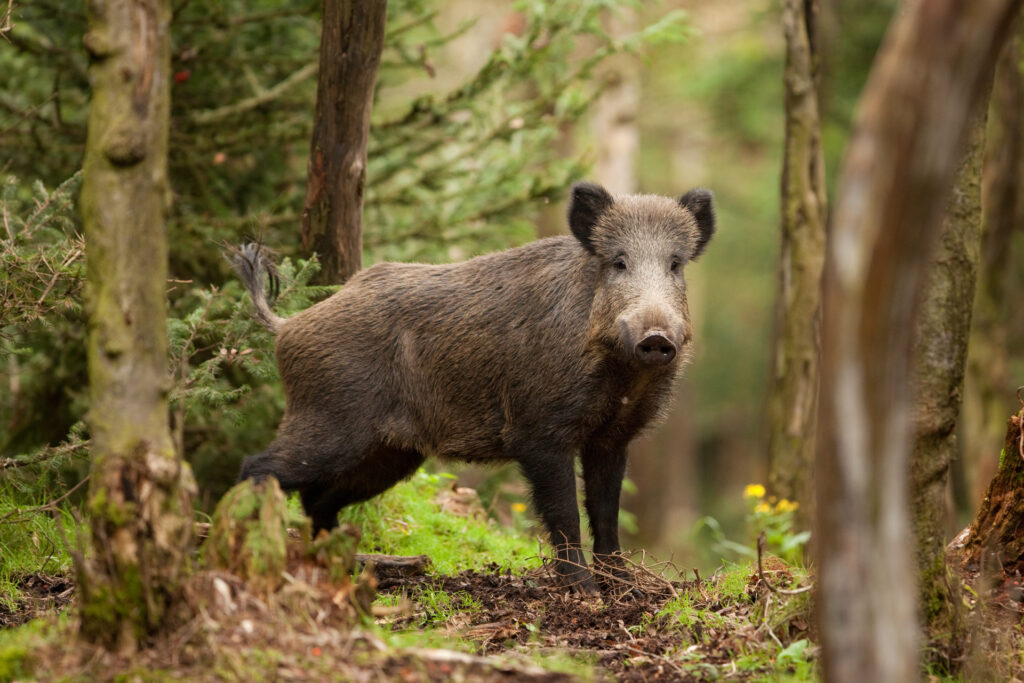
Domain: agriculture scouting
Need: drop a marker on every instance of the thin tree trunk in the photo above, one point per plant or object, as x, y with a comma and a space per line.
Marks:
139, 491
793, 400
987, 392
351, 43
940, 352
908, 138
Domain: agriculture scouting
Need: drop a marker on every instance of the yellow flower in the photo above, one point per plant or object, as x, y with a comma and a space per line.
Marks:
763, 508
519, 507
753, 491
786, 505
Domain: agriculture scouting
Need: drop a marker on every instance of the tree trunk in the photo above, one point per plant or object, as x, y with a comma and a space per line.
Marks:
987, 386
908, 137
613, 118
351, 43
940, 352
998, 528
793, 398
139, 490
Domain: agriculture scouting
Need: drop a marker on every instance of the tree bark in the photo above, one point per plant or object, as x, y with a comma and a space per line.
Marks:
908, 137
351, 43
998, 528
139, 495
793, 397
987, 386
940, 350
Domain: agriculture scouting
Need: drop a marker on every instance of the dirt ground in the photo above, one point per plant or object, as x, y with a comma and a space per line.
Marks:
509, 627
42, 594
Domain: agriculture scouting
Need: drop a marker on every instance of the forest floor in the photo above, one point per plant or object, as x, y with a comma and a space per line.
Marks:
474, 625
485, 608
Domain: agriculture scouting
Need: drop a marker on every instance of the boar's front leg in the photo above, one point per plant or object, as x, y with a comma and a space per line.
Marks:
553, 481
604, 465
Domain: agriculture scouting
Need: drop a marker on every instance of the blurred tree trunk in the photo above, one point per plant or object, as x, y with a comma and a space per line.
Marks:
139, 491
987, 386
613, 119
351, 43
793, 398
940, 353
910, 127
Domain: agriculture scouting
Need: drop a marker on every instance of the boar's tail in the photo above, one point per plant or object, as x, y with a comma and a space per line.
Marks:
252, 262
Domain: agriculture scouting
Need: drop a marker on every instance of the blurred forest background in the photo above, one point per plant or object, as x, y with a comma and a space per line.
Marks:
486, 111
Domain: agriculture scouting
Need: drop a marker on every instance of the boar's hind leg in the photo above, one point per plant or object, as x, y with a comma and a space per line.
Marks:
360, 480
603, 469
553, 481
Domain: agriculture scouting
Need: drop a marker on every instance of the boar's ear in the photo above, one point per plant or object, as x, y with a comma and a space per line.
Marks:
588, 202
698, 202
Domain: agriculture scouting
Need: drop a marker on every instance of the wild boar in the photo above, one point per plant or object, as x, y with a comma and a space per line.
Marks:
568, 345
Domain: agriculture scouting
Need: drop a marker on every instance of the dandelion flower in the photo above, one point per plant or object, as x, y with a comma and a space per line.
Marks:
753, 491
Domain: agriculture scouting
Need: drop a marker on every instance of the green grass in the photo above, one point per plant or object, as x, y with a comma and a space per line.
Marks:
441, 606
31, 542
407, 520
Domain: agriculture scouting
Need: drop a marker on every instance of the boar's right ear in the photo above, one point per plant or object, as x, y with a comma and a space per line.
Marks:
698, 202
588, 202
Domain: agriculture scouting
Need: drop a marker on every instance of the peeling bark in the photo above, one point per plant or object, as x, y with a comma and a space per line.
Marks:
139, 495
910, 127
351, 43
793, 398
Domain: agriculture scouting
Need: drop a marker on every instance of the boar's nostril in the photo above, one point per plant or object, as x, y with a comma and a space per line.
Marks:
655, 350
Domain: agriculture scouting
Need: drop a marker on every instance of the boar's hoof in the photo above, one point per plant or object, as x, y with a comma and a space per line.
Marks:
579, 581
655, 350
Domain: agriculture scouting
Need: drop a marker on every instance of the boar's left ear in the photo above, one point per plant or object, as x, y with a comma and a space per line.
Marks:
698, 202
588, 202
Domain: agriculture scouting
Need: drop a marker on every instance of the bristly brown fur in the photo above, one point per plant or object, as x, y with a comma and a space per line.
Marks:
253, 262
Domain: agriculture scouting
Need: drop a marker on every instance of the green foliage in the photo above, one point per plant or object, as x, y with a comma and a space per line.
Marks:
42, 323
407, 520
774, 518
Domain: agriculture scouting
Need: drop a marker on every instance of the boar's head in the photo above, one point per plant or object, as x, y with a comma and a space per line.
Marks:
641, 244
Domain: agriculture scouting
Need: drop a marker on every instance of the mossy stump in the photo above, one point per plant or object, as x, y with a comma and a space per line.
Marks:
249, 534
998, 528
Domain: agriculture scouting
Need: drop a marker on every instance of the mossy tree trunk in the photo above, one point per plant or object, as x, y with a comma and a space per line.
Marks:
940, 353
351, 43
793, 399
139, 495
909, 135
987, 391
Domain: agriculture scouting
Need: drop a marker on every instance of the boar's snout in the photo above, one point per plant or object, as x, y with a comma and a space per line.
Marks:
655, 349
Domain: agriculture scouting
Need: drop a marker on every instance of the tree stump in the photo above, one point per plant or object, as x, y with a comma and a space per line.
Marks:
998, 528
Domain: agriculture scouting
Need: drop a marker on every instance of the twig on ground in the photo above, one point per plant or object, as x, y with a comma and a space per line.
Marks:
762, 540
661, 658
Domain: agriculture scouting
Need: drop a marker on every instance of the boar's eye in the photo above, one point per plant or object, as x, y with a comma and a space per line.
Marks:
675, 264
619, 263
